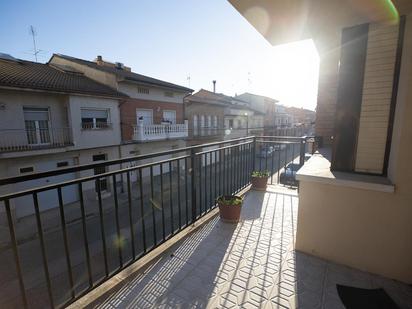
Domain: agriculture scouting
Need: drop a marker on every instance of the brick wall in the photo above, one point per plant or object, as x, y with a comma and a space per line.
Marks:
128, 113
376, 97
327, 94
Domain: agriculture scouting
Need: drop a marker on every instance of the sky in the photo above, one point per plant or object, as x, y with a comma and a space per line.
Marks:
169, 40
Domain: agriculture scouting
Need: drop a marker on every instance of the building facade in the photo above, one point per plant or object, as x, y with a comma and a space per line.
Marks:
265, 106
151, 116
205, 114
216, 116
52, 118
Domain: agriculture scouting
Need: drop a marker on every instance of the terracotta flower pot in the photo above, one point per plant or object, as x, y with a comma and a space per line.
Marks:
259, 183
228, 212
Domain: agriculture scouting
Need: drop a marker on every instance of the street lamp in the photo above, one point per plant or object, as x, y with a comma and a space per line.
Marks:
247, 124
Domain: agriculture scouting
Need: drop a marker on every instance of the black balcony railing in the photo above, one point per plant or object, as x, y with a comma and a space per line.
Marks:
55, 259
35, 138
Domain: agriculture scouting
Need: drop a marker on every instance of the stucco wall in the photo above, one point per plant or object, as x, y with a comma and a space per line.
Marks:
99, 137
155, 94
12, 116
359, 228
12, 125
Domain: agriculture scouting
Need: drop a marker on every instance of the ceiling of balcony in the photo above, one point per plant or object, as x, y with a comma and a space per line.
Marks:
282, 21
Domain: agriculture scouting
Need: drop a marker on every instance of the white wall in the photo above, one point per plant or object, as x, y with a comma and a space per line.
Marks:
155, 94
98, 137
11, 114
258, 103
12, 125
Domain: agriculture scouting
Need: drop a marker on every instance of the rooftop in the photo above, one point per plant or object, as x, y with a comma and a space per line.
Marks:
209, 97
16, 73
125, 74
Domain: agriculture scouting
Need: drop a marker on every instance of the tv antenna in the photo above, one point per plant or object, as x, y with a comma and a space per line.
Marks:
33, 33
188, 80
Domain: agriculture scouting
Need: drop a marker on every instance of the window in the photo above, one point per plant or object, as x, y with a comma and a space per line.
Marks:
169, 94
169, 116
95, 118
102, 182
28, 169
143, 90
195, 125
209, 121
215, 121
62, 164
37, 125
230, 123
145, 116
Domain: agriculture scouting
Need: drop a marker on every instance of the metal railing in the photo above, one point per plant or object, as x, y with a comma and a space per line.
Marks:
96, 125
31, 139
144, 204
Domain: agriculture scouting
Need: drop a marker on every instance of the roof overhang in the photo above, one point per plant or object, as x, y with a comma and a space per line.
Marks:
281, 21
51, 91
175, 89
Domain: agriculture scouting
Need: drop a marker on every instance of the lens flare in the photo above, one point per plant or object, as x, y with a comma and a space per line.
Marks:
378, 10
119, 242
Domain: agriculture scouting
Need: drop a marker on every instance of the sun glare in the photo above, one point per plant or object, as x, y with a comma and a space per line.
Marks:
289, 73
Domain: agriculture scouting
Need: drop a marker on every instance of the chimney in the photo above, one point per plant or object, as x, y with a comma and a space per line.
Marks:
99, 60
214, 86
119, 65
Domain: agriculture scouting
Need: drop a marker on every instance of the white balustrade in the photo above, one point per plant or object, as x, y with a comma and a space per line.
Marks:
155, 132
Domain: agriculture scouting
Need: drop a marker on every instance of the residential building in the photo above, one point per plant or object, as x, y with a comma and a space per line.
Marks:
282, 118
53, 117
301, 116
152, 117
242, 120
220, 116
355, 198
205, 113
264, 105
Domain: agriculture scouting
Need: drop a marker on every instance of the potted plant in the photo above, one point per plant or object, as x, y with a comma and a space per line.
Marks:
229, 208
260, 180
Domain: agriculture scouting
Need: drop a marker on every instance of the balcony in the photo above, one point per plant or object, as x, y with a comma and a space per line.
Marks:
163, 215
156, 132
34, 139
251, 265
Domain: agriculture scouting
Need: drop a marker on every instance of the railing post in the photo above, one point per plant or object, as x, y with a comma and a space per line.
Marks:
302, 151
139, 131
254, 154
193, 182
186, 128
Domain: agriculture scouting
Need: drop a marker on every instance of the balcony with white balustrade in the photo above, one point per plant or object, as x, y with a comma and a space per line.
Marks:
156, 132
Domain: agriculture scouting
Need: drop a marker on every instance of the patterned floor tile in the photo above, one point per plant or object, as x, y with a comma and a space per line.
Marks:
249, 265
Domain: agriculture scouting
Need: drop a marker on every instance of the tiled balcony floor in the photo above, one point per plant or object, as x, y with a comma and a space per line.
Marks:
251, 265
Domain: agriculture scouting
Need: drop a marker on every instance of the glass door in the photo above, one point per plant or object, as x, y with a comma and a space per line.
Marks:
37, 125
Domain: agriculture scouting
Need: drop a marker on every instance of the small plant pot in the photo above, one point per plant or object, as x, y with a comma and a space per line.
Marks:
229, 208
259, 183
